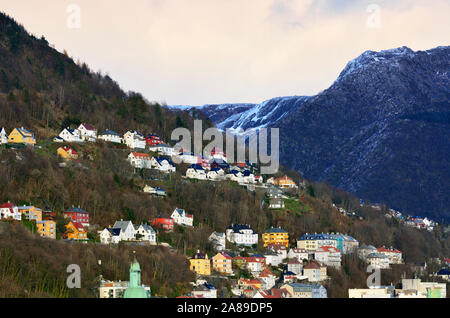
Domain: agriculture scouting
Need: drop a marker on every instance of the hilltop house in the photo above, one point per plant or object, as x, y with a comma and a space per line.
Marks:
46, 228
188, 157
275, 236
394, 255
153, 140
200, 264
77, 215
10, 211
218, 240
311, 242
145, 233
328, 255
163, 150
215, 174
140, 160
297, 290
154, 191
163, 222
163, 164
295, 266
284, 182
67, 153
127, 230
196, 172
110, 236
3, 137
300, 254
241, 235
365, 250
70, 135
315, 271
87, 132
21, 136
110, 136
180, 217
75, 231
267, 278
378, 260
31, 213
134, 140
222, 263
274, 192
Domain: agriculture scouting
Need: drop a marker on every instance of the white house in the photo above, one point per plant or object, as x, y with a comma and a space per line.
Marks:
241, 235
267, 278
248, 177
163, 164
87, 132
180, 217
218, 240
196, 172
110, 136
300, 254
215, 174
163, 150
272, 258
110, 236
145, 233
70, 135
378, 260
235, 175
328, 255
3, 136
140, 160
134, 140
188, 157
127, 230
10, 211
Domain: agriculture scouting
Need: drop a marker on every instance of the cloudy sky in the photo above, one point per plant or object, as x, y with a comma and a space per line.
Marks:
195, 52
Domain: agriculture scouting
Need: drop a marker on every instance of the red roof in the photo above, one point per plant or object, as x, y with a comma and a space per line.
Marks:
88, 127
67, 149
312, 265
78, 226
327, 249
140, 155
388, 250
226, 255
7, 205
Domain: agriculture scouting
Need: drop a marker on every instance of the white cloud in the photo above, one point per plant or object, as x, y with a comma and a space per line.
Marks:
207, 51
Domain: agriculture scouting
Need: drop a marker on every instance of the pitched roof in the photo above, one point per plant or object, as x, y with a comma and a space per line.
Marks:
275, 230
109, 132
88, 127
78, 226
140, 155
76, 209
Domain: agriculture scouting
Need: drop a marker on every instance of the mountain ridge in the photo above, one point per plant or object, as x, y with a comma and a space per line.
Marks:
381, 130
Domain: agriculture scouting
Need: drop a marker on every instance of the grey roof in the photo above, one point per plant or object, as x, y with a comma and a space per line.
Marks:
122, 225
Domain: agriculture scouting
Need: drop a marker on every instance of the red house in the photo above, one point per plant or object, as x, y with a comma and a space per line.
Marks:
78, 215
163, 222
153, 140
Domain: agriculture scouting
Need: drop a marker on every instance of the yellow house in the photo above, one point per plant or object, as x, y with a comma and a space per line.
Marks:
275, 236
21, 136
222, 263
201, 264
75, 231
67, 153
285, 182
31, 213
46, 228
246, 283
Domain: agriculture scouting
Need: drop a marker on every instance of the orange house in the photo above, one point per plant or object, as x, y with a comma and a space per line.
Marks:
67, 153
46, 228
75, 231
285, 182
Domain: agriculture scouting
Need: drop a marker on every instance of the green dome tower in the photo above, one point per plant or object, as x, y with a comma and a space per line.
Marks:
135, 290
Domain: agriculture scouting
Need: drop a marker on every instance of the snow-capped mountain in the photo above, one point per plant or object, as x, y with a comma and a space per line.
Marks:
382, 130
241, 117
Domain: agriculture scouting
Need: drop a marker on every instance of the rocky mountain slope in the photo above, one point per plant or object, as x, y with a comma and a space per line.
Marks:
381, 130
